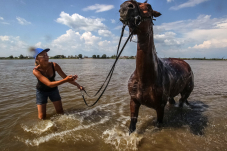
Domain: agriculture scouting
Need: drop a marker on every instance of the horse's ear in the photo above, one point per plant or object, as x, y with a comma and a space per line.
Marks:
156, 14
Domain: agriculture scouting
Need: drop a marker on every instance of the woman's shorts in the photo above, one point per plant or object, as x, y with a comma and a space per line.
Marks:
42, 96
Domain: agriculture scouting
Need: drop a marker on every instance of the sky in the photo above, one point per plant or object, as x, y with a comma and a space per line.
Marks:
186, 28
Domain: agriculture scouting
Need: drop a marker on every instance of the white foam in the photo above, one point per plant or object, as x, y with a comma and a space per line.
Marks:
41, 127
52, 136
121, 140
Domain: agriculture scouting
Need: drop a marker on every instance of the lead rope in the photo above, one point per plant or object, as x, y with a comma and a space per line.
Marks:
111, 71
122, 33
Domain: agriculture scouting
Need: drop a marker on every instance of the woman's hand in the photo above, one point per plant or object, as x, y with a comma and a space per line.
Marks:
75, 76
80, 87
70, 78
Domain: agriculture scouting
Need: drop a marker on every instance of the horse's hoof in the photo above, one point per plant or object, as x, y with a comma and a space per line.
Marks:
132, 126
181, 105
131, 130
187, 103
159, 125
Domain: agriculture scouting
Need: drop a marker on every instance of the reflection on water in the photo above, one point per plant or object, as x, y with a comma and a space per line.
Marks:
200, 126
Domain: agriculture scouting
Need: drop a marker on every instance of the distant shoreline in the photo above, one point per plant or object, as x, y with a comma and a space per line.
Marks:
214, 59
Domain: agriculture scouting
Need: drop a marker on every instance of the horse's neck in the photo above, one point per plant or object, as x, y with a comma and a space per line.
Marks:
146, 59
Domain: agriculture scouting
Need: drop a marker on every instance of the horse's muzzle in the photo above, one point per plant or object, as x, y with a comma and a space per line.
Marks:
127, 12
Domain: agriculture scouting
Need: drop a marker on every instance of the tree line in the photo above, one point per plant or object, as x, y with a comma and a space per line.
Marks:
80, 56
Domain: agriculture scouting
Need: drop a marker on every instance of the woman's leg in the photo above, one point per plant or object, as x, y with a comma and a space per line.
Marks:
41, 111
58, 107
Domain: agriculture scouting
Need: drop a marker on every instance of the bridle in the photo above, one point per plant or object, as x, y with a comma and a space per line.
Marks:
137, 20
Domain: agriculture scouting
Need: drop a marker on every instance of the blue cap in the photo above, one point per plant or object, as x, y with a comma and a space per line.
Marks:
39, 50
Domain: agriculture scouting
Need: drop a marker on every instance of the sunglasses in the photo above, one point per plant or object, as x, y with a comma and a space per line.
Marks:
43, 56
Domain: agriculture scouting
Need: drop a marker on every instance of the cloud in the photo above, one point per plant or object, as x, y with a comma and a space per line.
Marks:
113, 21
78, 22
213, 43
170, 1
5, 23
99, 8
189, 3
22, 21
72, 43
38, 45
201, 22
186, 37
105, 33
89, 38
4, 38
10, 45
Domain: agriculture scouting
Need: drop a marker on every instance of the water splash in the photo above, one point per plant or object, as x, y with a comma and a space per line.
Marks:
121, 140
39, 128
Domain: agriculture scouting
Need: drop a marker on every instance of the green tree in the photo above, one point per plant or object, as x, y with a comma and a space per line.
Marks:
104, 56
98, 56
11, 56
94, 56
21, 56
80, 56
113, 57
132, 57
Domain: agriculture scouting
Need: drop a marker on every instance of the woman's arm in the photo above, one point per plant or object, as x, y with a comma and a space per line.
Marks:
63, 75
52, 84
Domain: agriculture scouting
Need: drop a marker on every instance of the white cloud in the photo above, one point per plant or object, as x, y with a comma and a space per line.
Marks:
89, 38
186, 37
105, 33
222, 25
99, 8
73, 43
5, 23
78, 22
104, 43
113, 21
189, 3
68, 41
22, 21
10, 45
4, 38
170, 1
201, 22
213, 43
38, 45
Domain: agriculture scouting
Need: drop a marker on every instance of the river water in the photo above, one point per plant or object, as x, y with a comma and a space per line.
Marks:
200, 126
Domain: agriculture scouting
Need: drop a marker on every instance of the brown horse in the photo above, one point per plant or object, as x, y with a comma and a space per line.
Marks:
154, 81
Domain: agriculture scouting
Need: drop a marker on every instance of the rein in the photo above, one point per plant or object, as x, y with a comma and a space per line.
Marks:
138, 20
112, 69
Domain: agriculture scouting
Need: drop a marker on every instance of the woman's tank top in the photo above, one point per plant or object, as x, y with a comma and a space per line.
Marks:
42, 87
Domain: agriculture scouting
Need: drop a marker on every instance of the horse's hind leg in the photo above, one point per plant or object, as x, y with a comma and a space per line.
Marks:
186, 93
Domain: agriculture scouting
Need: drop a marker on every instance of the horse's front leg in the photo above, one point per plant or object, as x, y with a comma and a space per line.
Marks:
160, 114
134, 108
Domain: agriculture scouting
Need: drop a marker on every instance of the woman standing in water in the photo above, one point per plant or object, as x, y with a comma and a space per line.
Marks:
47, 86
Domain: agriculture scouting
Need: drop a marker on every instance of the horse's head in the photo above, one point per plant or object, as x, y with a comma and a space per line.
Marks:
133, 13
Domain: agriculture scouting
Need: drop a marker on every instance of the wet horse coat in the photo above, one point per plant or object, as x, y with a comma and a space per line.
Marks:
154, 81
